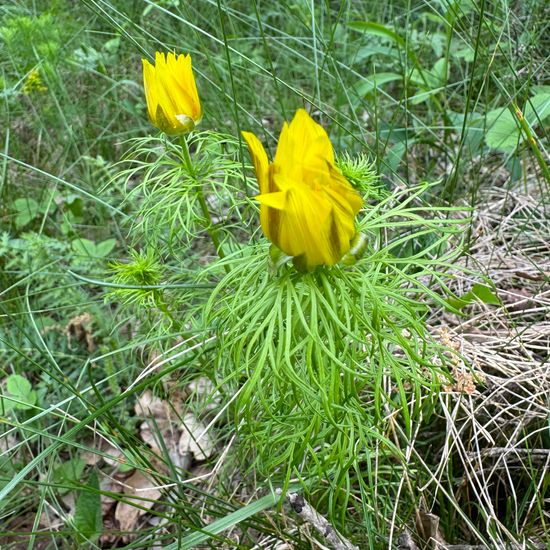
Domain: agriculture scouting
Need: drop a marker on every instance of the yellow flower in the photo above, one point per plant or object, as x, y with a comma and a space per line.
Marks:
172, 98
307, 208
34, 83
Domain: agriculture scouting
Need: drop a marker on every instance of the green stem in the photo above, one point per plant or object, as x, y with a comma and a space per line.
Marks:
531, 140
202, 201
161, 304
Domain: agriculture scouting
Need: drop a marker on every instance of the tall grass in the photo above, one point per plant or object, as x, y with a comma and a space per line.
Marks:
454, 93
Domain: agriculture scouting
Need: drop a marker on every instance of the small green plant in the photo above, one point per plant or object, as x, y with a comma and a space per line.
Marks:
313, 358
390, 375
20, 394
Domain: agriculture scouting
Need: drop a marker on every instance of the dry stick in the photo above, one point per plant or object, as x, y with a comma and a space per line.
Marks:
483, 547
318, 522
406, 542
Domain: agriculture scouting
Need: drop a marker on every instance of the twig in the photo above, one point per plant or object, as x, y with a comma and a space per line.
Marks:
498, 451
536, 546
406, 542
318, 522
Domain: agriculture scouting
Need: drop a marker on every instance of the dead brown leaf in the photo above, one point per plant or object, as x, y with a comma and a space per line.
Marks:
182, 440
194, 439
80, 329
428, 526
150, 405
141, 492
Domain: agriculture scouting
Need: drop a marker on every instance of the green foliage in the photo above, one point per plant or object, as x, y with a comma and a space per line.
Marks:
504, 133
477, 292
20, 394
144, 270
170, 214
26, 38
87, 519
69, 473
27, 209
331, 376
317, 361
361, 173
91, 250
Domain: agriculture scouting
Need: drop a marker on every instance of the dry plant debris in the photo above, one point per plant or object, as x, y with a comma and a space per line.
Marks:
79, 328
141, 494
184, 435
497, 409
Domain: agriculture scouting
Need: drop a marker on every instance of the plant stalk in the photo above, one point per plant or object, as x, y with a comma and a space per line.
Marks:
202, 201
531, 140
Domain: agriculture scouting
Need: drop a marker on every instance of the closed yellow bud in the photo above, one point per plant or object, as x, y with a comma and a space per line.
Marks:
172, 98
307, 208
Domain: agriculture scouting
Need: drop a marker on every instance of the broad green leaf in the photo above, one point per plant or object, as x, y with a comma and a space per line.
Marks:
374, 49
6, 405
394, 155
371, 82
21, 390
541, 89
75, 205
18, 385
105, 247
112, 45
84, 247
26, 209
485, 294
378, 30
440, 71
87, 518
537, 109
478, 292
429, 81
467, 53
504, 133
69, 472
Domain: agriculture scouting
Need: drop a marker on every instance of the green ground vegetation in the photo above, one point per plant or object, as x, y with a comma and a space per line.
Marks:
154, 394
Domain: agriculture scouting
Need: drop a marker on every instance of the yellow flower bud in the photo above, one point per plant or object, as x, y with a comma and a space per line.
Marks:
307, 208
172, 98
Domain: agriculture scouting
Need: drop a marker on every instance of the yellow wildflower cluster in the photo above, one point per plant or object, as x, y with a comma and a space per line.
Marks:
34, 83
308, 207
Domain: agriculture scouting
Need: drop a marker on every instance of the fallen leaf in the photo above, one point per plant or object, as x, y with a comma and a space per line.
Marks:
428, 527
80, 329
203, 390
150, 405
113, 456
194, 439
169, 437
142, 492
7, 443
183, 441
109, 485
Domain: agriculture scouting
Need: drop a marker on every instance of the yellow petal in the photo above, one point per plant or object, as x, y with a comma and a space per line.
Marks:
259, 158
307, 207
340, 185
273, 200
186, 72
298, 232
150, 85
303, 142
180, 82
